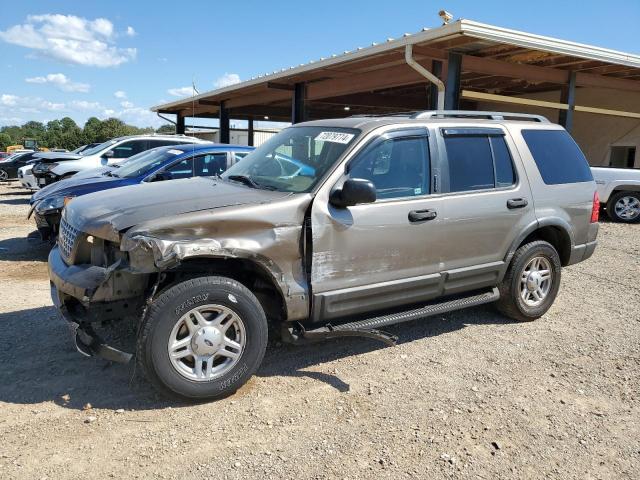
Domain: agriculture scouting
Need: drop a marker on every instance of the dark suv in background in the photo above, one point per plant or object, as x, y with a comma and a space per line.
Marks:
386, 220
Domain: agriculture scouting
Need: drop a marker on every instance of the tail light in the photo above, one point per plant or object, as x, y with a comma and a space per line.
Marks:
595, 209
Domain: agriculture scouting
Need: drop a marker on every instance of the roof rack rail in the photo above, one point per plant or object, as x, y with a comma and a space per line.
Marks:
382, 115
527, 117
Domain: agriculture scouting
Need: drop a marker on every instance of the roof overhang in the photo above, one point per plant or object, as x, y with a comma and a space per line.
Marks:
493, 58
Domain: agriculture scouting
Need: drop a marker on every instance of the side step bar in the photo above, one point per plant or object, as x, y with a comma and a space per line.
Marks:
370, 327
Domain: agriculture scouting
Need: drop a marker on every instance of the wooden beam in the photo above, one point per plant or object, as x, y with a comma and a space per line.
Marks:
600, 81
280, 86
377, 100
364, 82
262, 98
515, 70
208, 102
490, 97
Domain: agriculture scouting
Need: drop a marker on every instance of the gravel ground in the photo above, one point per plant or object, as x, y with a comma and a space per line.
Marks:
465, 395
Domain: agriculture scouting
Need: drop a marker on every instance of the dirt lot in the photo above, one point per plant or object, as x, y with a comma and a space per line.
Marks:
467, 395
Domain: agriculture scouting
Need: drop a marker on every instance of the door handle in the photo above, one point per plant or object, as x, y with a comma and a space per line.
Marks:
422, 215
517, 203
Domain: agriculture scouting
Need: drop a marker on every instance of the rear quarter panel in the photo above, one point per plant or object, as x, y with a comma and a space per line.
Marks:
565, 205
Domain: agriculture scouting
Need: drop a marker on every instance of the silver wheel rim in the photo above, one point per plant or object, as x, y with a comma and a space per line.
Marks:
627, 207
3, 175
535, 281
206, 342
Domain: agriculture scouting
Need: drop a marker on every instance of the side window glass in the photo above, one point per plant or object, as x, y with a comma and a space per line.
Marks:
398, 167
470, 163
127, 149
160, 143
182, 169
505, 176
210, 164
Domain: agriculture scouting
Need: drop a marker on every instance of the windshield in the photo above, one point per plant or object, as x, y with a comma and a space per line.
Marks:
294, 160
98, 148
146, 161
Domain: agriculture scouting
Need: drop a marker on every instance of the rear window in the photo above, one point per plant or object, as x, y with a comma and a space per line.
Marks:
558, 157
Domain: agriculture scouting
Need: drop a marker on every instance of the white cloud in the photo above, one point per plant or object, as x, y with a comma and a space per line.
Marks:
226, 80
61, 82
28, 104
182, 92
131, 32
70, 39
120, 94
84, 105
108, 112
126, 104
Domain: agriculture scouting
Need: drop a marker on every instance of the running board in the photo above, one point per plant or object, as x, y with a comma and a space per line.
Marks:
370, 327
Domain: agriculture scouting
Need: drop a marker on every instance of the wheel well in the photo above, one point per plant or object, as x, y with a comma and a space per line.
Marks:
248, 273
625, 188
556, 236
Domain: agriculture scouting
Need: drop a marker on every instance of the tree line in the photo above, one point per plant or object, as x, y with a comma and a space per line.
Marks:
65, 133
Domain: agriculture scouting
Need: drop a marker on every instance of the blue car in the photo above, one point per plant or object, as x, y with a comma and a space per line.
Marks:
160, 164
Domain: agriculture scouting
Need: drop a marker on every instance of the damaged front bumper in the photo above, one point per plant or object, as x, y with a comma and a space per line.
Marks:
74, 289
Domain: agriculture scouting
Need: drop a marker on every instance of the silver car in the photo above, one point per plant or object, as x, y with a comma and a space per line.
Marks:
387, 220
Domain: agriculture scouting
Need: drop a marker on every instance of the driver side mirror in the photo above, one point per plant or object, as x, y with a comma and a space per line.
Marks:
353, 192
106, 156
162, 176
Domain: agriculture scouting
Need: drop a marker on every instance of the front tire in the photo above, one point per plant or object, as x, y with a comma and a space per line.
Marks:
531, 283
624, 207
203, 338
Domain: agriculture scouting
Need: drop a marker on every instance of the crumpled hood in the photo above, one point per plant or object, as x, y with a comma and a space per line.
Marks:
108, 212
78, 186
50, 157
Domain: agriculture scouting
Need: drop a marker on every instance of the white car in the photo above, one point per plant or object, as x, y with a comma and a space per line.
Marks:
27, 180
619, 192
56, 166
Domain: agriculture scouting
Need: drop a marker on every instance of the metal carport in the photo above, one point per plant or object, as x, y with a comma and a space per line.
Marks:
478, 64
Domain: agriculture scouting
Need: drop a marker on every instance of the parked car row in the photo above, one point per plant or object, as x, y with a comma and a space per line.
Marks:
329, 229
158, 164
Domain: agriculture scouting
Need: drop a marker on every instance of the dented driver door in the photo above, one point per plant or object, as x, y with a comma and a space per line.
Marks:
383, 254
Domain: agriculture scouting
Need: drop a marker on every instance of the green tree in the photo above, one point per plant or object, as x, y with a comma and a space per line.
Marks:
92, 131
167, 128
5, 141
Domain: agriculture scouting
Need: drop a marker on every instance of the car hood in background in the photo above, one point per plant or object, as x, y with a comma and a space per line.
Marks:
73, 187
50, 157
106, 213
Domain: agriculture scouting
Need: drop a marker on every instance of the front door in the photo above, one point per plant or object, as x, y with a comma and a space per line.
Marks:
383, 254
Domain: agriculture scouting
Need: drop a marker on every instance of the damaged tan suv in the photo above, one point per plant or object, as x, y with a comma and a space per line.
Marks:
331, 228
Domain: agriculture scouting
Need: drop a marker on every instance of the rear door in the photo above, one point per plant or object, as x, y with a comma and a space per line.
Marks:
487, 203
211, 164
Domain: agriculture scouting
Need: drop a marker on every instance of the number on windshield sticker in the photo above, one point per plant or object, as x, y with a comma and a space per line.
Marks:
336, 137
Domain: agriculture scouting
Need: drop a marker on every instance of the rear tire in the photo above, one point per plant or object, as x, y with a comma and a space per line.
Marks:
203, 338
624, 207
531, 283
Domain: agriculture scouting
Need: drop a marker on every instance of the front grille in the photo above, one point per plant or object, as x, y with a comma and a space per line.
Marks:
67, 239
41, 221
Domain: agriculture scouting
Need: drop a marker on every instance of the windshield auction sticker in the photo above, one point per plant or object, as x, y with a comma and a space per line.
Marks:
336, 137
175, 152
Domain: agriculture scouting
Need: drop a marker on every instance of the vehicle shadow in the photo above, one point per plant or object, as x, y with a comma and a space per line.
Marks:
289, 360
15, 201
15, 190
30, 248
44, 366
